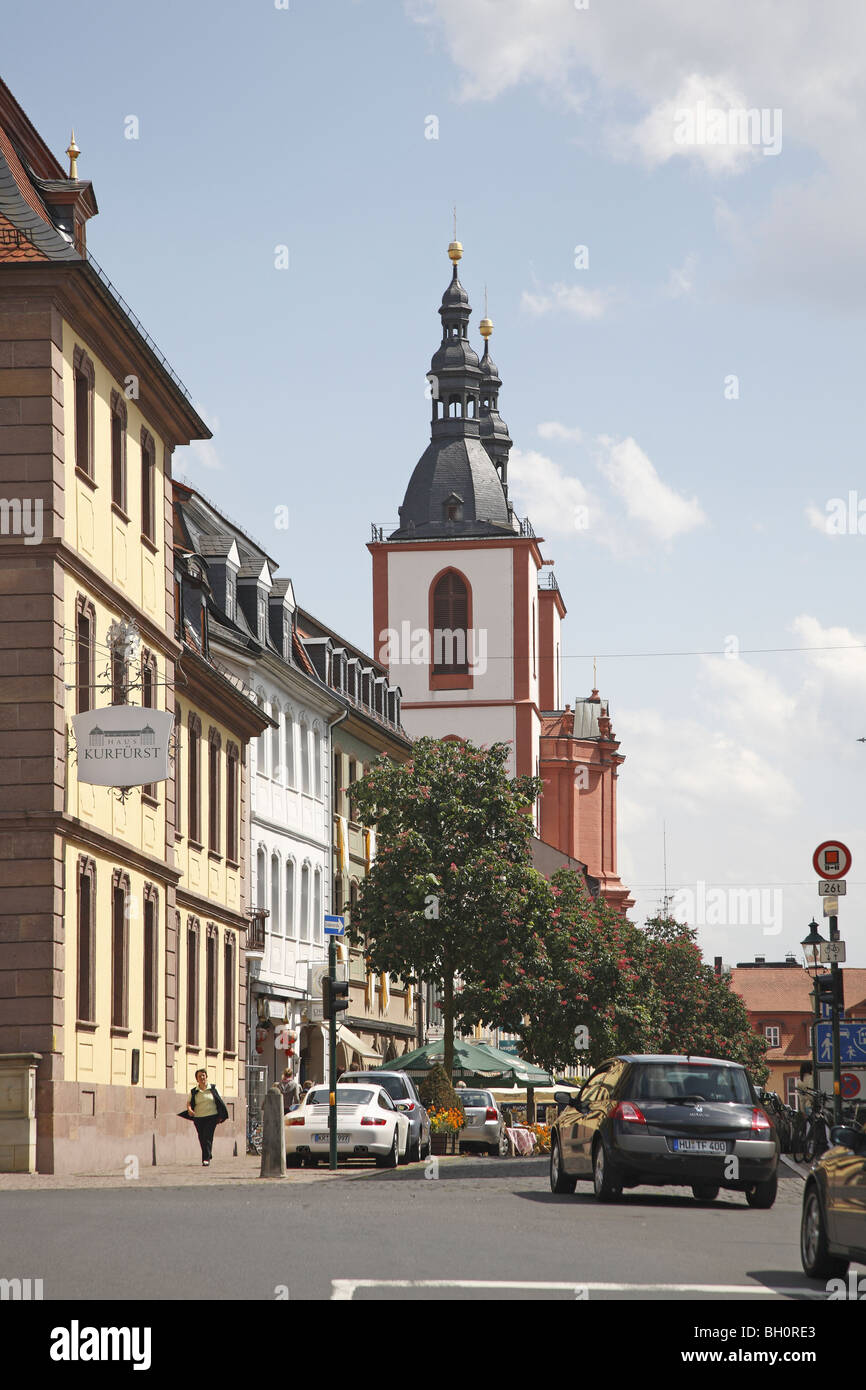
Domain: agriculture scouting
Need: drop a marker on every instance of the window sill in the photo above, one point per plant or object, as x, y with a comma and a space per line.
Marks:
83, 1025
215, 855
193, 1047
212, 1052
451, 680
149, 544
232, 863
231, 1056
119, 512
150, 1037
117, 1032
149, 800
85, 478
195, 844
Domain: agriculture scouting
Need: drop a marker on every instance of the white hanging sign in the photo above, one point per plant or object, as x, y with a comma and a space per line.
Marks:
122, 745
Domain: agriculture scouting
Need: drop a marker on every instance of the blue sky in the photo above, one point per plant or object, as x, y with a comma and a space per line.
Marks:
261, 127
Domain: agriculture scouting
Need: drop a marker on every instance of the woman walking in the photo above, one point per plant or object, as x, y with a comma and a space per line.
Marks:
207, 1109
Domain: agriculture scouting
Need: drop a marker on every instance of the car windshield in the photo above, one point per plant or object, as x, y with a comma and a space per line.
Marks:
696, 1081
474, 1100
320, 1096
394, 1085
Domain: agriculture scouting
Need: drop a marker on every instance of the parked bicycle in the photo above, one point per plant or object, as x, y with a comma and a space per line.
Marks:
812, 1136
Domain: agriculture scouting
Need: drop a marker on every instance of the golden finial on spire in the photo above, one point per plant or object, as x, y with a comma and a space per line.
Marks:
485, 327
73, 152
455, 250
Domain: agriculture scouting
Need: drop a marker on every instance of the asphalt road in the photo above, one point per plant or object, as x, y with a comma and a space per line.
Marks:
482, 1229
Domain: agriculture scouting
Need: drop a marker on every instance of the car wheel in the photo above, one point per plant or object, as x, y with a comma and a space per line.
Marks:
415, 1150
704, 1191
559, 1180
763, 1194
814, 1257
425, 1147
406, 1157
503, 1148
391, 1159
607, 1189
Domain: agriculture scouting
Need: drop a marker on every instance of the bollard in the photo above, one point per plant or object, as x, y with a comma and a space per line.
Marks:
273, 1136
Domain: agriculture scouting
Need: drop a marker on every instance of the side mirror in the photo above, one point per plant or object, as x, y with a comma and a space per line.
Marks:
565, 1099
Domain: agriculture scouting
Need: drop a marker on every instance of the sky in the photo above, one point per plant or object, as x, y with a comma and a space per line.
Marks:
678, 292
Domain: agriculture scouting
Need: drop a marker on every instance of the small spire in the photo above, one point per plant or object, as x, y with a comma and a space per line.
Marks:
73, 152
485, 327
455, 250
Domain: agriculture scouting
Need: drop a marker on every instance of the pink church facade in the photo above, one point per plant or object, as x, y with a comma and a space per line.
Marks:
468, 621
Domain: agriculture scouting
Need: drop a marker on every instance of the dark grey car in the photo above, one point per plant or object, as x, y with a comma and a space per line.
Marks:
691, 1121
401, 1089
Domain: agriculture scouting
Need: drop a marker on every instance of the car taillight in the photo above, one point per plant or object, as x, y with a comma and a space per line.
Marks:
371, 1120
629, 1113
490, 1114
291, 1121
760, 1124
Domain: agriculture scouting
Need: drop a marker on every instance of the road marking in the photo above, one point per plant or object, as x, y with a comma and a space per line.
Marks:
344, 1289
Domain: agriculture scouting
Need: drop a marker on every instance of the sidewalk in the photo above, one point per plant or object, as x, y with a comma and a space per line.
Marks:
222, 1172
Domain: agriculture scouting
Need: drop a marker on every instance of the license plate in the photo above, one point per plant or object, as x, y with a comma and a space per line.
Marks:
326, 1138
700, 1146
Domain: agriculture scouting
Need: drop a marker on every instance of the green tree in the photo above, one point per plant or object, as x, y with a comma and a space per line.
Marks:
694, 1011
452, 891
586, 976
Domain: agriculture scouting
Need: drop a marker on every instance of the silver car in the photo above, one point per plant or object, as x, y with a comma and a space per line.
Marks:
401, 1089
485, 1124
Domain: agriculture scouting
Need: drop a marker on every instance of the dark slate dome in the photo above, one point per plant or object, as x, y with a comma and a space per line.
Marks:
458, 468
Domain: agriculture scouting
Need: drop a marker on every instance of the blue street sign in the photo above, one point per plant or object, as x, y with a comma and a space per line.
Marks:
852, 1042
334, 926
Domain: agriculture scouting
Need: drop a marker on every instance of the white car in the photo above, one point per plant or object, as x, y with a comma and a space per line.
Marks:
369, 1125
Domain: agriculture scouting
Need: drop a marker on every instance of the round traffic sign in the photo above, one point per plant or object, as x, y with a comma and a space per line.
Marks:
850, 1085
831, 859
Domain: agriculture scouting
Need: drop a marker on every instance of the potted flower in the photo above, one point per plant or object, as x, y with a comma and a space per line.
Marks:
445, 1127
446, 1113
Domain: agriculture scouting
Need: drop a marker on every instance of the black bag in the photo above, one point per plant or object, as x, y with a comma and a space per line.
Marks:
182, 1114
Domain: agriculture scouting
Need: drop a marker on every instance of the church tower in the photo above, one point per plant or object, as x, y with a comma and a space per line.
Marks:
467, 622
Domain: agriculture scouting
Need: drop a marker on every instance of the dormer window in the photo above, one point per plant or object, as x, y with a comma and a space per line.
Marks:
287, 637
230, 597
261, 609
453, 507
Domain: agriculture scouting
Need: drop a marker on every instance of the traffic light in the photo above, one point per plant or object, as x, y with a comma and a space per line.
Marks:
335, 996
829, 990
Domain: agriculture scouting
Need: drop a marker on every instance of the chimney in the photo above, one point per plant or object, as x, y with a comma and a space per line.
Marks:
760, 960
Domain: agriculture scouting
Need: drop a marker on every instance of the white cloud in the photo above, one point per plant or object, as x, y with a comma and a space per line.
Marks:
681, 280
649, 501
686, 125
816, 518
555, 503
570, 299
552, 429
632, 65
839, 655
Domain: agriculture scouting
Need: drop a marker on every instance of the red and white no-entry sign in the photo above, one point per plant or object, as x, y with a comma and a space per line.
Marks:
832, 859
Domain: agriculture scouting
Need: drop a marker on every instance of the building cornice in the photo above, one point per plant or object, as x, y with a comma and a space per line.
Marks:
81, 298
206, 907
205, 686
71, 828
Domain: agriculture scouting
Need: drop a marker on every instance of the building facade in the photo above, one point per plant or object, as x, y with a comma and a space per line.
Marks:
382, 1021
253, 635
468, 619
91, 412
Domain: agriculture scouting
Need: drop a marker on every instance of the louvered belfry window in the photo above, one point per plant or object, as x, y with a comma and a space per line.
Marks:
450, 623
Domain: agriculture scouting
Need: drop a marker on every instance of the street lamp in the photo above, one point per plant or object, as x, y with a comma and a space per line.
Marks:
811, 945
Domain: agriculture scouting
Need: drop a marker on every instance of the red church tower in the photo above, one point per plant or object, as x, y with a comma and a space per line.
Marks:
469, 625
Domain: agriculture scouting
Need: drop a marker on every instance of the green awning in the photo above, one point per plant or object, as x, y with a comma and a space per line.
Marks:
472, 1060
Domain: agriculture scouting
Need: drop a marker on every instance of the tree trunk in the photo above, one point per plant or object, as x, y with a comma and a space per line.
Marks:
448, 1022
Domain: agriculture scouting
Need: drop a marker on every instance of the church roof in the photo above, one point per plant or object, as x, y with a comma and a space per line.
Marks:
460, 465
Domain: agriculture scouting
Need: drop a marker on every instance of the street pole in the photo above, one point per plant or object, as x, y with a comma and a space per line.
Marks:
332, 1060
837, 1048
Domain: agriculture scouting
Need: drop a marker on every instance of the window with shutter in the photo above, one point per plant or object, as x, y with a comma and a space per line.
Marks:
450, 624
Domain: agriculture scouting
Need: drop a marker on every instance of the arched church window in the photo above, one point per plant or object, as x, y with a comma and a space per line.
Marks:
450, 625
